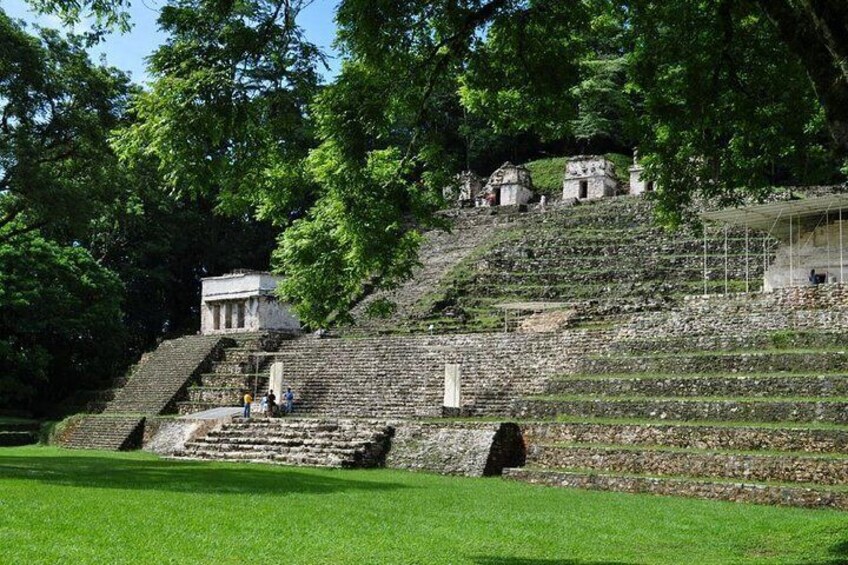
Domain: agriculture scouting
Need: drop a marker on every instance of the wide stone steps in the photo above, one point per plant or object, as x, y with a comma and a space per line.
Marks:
807, 496
721, 464
168, 370
107, 433
760, 409
744, 385
809, 438
725, 362
292, 441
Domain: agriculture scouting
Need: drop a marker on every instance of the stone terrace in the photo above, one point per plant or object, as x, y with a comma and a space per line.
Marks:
289, 441
395, 376
713, 399
605, 255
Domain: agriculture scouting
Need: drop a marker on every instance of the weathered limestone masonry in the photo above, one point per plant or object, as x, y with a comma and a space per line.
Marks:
291, 441
604, 256
739, 397
441, 252
153, 389
236, 371
819, 308
470, 449
712, 490
404, 376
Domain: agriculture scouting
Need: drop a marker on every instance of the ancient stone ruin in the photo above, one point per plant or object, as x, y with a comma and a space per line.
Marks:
243, 302
511, 185
589, 177
665, 377
468, 189
639, 183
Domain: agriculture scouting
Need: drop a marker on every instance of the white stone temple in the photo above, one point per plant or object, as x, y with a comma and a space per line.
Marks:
639, 184
512, 184
589, 177
243, 302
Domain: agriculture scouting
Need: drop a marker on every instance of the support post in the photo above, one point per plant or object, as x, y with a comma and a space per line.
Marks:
705, 260
747, 278
791, 254
725, 259
841, 260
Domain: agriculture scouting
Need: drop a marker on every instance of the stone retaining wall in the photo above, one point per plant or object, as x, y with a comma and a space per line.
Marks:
470, 449
689, 410
749, 467
736, 492
404, 376
825, 440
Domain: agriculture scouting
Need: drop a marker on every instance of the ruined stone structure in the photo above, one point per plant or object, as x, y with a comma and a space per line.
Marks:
648, 385
469, 187
589, 177
243, 302
639, 183
511, 184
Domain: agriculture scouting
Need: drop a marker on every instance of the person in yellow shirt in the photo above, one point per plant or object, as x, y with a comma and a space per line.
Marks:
247, 400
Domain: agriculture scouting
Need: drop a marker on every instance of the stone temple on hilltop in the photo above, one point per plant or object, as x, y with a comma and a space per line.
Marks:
589, 177
243, 301
512, 185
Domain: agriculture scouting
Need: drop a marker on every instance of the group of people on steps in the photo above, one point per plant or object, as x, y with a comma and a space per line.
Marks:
269, 403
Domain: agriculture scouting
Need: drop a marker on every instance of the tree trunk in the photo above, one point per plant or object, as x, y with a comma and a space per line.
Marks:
817, 32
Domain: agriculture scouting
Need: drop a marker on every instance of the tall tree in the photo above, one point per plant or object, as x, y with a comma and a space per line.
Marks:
226, 115
56, 113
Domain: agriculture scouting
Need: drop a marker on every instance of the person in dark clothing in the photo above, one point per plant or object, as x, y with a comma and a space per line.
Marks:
272, 403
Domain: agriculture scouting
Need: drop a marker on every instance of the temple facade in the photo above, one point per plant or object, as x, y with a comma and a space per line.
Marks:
244, 302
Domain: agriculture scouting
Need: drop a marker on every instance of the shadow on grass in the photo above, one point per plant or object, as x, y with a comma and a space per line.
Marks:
179, 476
521, 561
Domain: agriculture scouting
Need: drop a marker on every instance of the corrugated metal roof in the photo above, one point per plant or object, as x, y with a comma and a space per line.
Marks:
774, 216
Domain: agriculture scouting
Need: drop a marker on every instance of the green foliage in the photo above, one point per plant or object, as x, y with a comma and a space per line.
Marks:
225, 115
381, 308
728, 109
60, 320
547, 174
373, 516
56, 169
101, 15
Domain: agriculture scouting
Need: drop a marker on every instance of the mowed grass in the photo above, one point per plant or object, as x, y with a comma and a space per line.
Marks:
60, 506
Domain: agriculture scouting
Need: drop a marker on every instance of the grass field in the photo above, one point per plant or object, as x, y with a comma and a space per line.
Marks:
61, 506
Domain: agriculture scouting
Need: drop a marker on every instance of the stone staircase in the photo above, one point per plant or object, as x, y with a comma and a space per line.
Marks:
292, 441
754, 423
605, 257
153, 388
443, 250
106, 432
18, 432
403, 377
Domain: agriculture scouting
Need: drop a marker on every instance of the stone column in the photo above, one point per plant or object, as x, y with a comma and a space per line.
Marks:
453, 388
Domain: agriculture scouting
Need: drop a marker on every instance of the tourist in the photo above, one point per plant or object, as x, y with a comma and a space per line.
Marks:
248, 399
272, 402
263, 406
289, 398
814, 278
543, 201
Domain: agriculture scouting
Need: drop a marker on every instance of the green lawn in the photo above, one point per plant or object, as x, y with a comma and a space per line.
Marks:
61, 506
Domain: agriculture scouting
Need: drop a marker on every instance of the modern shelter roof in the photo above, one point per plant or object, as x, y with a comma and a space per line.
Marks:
534, 306
774, 216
